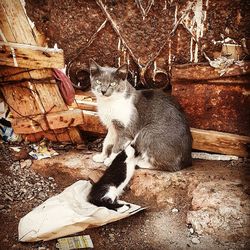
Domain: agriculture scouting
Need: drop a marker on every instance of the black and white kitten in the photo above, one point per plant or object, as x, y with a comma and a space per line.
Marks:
106, 191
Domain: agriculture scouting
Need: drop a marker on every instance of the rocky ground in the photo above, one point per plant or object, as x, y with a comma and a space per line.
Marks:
206, 206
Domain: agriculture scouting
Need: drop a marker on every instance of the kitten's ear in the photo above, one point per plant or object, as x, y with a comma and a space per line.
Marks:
122, 72
94, 67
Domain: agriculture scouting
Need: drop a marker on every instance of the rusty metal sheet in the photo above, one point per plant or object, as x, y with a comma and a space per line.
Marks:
222, 106
149, 35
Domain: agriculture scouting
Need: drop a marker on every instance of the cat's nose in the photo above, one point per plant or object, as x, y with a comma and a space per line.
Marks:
103, 92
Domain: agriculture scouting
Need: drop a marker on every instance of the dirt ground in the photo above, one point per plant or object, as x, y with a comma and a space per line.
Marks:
162, 227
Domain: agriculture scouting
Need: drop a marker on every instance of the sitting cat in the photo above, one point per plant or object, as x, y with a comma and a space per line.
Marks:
163, 139
106, 191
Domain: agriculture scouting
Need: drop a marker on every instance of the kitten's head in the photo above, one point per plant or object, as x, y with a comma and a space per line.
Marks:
106, 81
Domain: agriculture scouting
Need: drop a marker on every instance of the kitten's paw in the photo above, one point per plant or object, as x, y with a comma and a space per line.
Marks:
99, 158
108, 161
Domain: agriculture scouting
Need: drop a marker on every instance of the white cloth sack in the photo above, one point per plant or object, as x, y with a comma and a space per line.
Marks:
67, 213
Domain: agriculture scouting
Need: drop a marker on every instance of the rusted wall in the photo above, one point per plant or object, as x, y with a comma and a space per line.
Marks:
152, 37
138, 31
214, 102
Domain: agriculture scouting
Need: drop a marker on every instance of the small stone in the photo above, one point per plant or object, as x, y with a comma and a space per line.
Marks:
195, 241
191, 230
41, 196
111, 236
23, 190
175, 210
7, 197
2, 207
51, 178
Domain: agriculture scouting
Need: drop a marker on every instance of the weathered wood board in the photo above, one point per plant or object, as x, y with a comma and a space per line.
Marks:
219, 142
30, 56
56, 120
13, 75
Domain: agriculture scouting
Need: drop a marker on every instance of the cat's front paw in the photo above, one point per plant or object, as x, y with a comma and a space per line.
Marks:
99, 158
108, 161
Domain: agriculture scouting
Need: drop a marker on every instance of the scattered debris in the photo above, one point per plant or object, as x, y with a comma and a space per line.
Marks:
175, 210
25, 163
16, 149
213, 157
75, 242
195, 240
41, 151
221, 63
7, 133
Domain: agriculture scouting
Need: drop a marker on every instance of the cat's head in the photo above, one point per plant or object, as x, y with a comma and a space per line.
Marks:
106, 81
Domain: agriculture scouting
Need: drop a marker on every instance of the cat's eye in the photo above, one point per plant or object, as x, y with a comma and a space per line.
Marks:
112, 84
98, 82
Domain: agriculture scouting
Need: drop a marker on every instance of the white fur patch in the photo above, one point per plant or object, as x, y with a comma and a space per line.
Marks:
115, 107
144, 162
110, 159
99, 158
112, 193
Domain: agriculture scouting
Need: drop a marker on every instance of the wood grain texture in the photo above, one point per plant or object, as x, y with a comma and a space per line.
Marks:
30, 56
18, 22
219, 142
50, 97
22, 99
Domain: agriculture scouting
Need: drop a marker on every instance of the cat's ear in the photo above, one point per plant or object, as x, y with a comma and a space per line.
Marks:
122, 72
94, 68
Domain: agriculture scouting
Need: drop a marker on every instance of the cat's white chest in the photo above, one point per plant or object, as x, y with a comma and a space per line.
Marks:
118, 108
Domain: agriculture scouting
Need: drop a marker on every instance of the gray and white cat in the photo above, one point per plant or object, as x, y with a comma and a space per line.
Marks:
150, 118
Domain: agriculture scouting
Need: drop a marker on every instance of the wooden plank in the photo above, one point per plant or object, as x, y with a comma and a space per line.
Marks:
219, 142
59, 135
29, 138
63, 119
29, 56
50, 97
197, 72
22, 99
85, 101
8, 73
75, 135
86, 105
18, 21
69, 118
92, 123
62, 135
25, 125
5, 29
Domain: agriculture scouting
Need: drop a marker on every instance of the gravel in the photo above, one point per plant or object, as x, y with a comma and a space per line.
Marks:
24, 185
